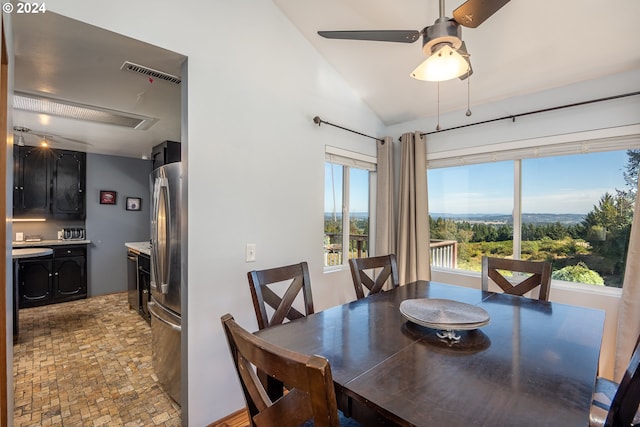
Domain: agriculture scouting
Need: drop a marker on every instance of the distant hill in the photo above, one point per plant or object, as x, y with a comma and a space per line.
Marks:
529, 218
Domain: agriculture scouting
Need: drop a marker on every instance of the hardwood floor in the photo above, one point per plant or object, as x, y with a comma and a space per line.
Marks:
87, 363
237, 419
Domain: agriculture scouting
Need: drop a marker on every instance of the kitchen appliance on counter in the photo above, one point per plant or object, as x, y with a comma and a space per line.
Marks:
73, 233
165, 303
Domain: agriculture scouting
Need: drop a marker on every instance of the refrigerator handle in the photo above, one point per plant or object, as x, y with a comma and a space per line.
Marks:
160, 235
152, 307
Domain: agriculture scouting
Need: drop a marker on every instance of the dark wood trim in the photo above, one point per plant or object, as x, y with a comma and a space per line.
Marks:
240, 418
4, 69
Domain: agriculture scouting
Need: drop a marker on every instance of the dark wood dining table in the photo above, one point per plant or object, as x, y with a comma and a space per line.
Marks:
534, 364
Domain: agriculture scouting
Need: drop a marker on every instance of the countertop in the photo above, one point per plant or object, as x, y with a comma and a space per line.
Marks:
49, 243
140, 247
30, 252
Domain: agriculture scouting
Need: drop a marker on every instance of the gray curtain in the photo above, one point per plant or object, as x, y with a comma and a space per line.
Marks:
413, 211
629, 313
385, 201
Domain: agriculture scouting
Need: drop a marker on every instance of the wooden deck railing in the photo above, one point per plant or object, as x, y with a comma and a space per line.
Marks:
444, 253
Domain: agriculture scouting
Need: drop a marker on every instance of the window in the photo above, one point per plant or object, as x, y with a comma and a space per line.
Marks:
348, 184
572, 209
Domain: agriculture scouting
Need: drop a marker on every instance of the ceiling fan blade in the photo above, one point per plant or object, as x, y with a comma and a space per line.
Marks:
474, 12
400, 36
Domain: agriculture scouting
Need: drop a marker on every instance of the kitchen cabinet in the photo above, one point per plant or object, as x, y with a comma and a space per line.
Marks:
49, 183
164, 153
59, 277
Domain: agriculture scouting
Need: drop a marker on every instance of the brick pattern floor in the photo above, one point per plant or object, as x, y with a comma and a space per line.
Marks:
87, 363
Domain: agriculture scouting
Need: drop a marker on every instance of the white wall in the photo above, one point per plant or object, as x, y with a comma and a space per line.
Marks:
255, 161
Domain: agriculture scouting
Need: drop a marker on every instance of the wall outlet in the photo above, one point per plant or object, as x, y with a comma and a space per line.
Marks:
251, 252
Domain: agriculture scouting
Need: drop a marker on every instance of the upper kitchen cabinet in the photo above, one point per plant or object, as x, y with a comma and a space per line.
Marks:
49, 183
165, 152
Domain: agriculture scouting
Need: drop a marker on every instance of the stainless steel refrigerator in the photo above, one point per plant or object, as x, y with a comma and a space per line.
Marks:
164, 307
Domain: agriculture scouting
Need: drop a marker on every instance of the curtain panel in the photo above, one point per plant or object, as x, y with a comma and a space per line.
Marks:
385, 201
413, 212
629, 313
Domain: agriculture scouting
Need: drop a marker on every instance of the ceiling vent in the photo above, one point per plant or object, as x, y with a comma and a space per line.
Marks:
73, 110
141, 69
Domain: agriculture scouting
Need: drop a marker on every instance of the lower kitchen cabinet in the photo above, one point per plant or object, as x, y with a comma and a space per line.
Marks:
52, 279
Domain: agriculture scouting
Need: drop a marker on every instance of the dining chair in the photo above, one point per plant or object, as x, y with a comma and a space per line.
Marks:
540, 276
310, 391
373, 283
261, 293
617, 404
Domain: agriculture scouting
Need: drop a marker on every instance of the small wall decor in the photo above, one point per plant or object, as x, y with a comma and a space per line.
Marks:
134, 203
108, 197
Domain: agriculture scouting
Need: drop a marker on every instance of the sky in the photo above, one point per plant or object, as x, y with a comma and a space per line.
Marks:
561, 184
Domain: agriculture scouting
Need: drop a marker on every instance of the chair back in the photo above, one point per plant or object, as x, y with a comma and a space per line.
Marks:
624, 405
389, 269
540, 275
308, 379
261, 293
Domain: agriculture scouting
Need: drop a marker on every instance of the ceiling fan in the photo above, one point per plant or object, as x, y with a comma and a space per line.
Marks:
447, 56
44, 138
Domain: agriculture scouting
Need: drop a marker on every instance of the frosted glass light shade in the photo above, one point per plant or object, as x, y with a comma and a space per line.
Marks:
444, 64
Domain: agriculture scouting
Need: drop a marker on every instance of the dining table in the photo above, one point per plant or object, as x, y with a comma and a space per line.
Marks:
531, 363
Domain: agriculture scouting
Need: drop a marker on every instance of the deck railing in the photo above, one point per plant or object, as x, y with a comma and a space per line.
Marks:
444, 253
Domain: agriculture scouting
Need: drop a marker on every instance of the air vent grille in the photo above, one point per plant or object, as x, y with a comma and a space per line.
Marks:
141, 69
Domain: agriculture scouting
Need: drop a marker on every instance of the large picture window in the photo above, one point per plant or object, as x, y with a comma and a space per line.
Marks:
573, 210
347, 183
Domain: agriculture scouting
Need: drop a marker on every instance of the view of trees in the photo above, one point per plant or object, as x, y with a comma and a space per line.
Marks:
583, 252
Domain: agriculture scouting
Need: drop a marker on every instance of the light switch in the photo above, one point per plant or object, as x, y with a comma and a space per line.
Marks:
251, 252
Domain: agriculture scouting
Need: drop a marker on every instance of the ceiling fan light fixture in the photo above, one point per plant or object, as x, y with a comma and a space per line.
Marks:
444, 64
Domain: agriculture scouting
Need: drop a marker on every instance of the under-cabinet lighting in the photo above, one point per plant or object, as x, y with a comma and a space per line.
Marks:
29, 219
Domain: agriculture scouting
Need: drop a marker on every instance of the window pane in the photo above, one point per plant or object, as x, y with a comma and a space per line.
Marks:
333, 178
577, 213
358, 213
470, 214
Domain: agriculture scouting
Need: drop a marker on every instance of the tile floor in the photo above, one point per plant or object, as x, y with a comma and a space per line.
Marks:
87, 363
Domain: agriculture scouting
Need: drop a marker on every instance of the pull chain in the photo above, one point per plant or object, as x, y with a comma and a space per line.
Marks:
468, 113
438, 125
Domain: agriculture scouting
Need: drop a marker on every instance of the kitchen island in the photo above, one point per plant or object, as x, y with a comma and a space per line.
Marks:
59, 276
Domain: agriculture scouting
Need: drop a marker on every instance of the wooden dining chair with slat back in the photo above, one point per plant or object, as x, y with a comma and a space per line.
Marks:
310, 393
261, 293
540, 276
617, 404
389, 270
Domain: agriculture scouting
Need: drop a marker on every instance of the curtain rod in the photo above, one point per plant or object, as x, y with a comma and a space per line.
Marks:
317, 120
514, 116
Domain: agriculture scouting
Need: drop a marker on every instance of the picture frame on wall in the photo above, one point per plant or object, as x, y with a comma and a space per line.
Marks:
134, 203
108, 197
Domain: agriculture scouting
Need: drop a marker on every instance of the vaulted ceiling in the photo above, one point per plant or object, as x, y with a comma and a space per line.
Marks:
526, 47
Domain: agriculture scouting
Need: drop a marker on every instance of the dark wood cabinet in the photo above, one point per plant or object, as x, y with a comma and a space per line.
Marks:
70, 273
166, 152
49, 183
35, 280
32, 182
55, 278
68, 184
